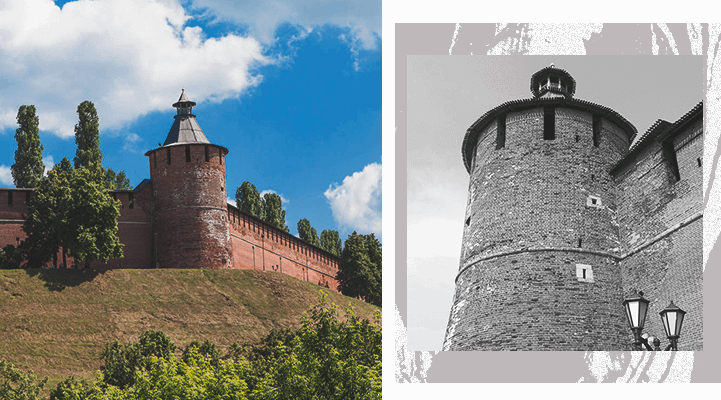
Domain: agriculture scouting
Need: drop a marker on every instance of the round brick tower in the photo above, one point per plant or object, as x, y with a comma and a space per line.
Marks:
190, 224
538, 267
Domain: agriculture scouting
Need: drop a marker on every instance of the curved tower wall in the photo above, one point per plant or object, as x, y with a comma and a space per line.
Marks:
191, 223
531, 228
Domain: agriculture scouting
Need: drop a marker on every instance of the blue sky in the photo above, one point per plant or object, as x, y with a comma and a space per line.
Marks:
292, 89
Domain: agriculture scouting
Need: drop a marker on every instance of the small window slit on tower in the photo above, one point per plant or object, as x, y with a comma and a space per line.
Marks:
699, 161
187, 153
549, 123
596, 130
579, 242
468, 221
501, 132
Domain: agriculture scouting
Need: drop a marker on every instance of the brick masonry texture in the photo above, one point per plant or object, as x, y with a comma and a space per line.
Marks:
536, 208
669, 268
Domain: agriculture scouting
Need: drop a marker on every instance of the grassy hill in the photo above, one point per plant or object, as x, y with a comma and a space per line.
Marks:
56, 323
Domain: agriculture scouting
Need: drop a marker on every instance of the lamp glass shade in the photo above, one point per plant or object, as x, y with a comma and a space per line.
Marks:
672, 318
636, 308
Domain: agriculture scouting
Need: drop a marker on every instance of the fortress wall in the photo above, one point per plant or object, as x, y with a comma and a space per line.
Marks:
12, 215
134, 230
662, 231
534, 301
257, 245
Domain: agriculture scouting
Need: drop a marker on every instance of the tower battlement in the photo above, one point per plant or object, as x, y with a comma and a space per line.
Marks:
553, 216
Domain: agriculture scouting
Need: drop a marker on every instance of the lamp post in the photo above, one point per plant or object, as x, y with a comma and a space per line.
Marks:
672, 317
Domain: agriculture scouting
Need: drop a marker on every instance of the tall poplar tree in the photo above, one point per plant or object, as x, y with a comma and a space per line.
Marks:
274, 212
307, 233
248, 200
87, 136
28, 169
330, 242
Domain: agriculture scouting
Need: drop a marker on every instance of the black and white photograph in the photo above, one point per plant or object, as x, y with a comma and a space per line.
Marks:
555, 203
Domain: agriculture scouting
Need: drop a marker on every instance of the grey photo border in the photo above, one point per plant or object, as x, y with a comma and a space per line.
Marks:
538, 367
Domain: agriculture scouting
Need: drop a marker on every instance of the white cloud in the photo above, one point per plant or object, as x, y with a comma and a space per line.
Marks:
129, 57
130, 143
49, 163
363, 17
356, 203
283, 200
6, 177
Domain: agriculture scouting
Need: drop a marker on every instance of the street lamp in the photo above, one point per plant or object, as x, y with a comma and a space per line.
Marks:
672, 317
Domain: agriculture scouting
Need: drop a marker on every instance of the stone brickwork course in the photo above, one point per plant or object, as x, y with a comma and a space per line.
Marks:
557, 209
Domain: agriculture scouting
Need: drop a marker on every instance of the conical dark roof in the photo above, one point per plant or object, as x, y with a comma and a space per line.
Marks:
185, 128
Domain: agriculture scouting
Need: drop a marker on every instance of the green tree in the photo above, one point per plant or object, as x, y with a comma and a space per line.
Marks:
329, 358
194, 379
28, 168
120, 362
274, 212
307, 233
117, 181
359, 272
92, 232
205, 349
46, 225
17, 385
87, 136
11, 257
375, 254
248, 200
71, 389
330, 242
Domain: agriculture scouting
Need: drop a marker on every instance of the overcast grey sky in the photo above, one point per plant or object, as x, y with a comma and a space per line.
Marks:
447, 94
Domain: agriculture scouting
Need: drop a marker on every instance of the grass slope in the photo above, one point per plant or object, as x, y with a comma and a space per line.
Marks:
56, 323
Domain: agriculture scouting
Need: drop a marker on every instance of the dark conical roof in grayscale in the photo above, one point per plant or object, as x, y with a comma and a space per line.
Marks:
185, 129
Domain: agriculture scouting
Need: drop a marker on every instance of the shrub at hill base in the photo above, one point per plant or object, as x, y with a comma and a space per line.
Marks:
327, 358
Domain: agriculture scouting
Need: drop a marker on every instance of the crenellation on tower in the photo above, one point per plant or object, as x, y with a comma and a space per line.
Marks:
550, 221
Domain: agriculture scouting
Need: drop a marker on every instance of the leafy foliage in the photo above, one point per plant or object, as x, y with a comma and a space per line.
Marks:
11, 257
274, 212
328, 359
307, 233
28, 168
87, 136
330, 242
121, 362
71, 389
206, 349
47, 226
117, 181
93, 217
72, 209
17, 385
248, 200
360, 269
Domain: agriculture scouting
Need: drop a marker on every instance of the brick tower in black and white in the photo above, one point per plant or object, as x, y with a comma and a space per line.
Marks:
553, 235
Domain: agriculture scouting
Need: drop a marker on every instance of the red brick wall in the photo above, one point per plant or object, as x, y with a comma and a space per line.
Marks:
12, 215
134, 229
257, 245
190, 207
